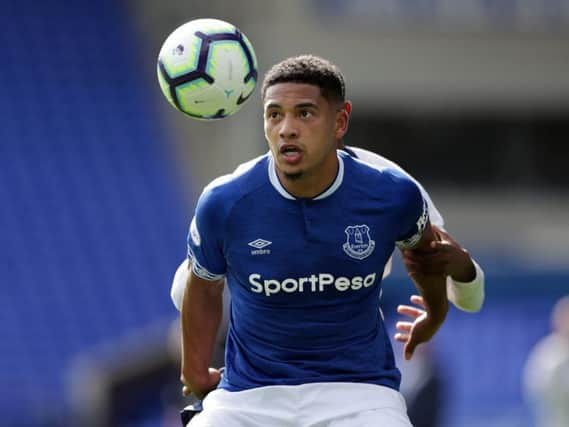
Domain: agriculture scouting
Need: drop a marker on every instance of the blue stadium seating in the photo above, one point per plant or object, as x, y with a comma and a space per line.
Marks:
92, 222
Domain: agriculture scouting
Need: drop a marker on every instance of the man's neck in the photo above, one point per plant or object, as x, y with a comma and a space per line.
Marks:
311, 184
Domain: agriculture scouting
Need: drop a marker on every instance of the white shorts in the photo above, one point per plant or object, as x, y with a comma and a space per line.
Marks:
306, 405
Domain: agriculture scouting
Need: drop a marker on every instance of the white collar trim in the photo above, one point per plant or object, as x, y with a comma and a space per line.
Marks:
273, 177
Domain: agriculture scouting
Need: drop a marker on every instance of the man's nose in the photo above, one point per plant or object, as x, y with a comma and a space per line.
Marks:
288, 128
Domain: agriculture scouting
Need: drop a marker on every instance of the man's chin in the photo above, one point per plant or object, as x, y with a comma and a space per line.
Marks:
290, 172
293, 176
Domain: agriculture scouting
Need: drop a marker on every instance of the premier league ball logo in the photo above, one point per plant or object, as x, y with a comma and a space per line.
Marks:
358, 242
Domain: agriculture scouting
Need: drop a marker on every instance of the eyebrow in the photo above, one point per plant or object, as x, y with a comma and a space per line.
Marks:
301, 105
306, 104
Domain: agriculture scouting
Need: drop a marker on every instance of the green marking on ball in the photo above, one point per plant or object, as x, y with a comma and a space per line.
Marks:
216, 51
182, 58
216, 27
183, 91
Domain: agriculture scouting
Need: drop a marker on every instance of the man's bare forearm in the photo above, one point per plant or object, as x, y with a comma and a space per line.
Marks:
432, 288
200, 317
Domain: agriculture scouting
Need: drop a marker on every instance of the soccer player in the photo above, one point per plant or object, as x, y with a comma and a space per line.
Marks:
446, 257
302, 237
546, 372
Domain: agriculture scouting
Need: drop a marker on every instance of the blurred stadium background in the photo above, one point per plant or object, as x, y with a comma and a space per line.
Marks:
99, 175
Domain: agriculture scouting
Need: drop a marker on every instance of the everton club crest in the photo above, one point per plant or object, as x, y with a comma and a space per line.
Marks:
358, 242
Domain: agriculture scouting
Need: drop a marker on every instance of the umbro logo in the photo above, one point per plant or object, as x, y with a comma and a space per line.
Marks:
259, 243
259, 246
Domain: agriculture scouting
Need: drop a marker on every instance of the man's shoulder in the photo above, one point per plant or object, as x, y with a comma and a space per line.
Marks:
373, 159
383, 186
382, 163
229, 188
384, 171
249, 164
242, 175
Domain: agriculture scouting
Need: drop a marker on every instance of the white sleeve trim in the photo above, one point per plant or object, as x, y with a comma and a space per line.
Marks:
422, 222
200, 271
203, 273
181, 278
467, 296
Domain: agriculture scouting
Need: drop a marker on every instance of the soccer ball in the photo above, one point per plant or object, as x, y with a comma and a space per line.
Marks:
207, 69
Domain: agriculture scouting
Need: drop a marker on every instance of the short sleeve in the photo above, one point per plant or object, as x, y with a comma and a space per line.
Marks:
434, 215
205, 239
414, 215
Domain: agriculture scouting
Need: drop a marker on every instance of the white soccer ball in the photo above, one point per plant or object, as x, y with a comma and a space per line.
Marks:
207, 69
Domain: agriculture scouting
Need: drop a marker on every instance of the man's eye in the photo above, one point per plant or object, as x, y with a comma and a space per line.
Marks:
273, 115
305, 113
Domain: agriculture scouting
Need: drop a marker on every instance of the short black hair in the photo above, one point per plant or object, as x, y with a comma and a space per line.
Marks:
309, 69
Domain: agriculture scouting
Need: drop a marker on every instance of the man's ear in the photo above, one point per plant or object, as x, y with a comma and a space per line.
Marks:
343, 119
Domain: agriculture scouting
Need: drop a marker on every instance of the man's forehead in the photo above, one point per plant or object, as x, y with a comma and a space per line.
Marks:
292, 93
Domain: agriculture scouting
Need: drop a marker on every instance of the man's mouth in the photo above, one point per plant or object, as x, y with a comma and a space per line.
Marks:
291, 153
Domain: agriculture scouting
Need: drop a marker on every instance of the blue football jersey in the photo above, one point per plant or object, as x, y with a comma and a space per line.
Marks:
305, 274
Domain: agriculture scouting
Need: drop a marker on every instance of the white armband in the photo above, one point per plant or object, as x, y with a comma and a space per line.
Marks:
467, 296
179, 283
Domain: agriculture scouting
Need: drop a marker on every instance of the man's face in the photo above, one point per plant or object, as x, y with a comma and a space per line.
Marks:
301, 127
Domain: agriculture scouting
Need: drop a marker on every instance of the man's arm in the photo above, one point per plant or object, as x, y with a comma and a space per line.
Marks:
465, 278
432, 287
201, 314
465, 290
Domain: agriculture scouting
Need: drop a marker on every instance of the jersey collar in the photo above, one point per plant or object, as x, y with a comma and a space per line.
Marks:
273, 177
